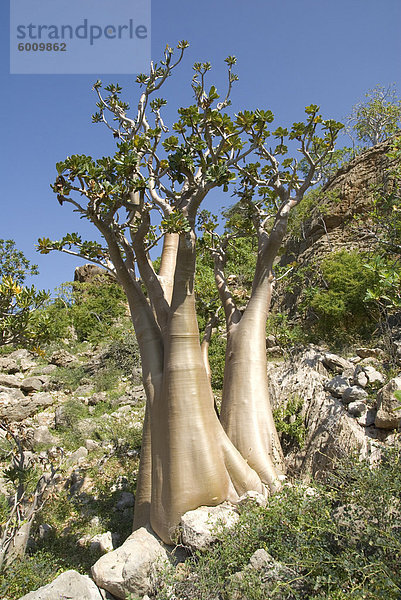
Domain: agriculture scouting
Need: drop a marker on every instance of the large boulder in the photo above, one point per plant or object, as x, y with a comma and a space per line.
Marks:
133, 567
199, 528
70, 585
388, 407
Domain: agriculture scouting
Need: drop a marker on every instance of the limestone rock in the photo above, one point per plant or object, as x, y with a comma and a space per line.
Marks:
199, 526
62, 358
32, 384
8, 365
367, 419
61, 418
48, 369
388, 407
102, 542
88, 273
8, 394
133, 567
357, 408
359, 378
369, 352
353, 394
71, 585
86, 427
262, 560
24, 360
84, 390
91, 445
251, 498
337, 386
9, 381
374, 377
269, 570
42, 435
18, 409
330, 431
94, 399
336, 363
77, 457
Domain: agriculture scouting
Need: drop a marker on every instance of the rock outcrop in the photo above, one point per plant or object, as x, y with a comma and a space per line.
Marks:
88, 273
71, 585
339, 417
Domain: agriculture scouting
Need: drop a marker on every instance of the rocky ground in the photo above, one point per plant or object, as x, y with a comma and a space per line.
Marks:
89, 438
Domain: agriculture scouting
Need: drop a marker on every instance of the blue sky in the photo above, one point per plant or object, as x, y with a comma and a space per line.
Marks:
290, 53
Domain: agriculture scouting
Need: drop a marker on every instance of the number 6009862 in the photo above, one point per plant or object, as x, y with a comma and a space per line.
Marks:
42, 47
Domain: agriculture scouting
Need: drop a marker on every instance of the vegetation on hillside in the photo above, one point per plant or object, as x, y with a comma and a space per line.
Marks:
336, 541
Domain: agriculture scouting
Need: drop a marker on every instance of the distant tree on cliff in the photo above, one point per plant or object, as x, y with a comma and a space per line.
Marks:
377, 117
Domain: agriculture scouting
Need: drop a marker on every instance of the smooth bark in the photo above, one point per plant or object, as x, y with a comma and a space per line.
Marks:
192, 459
246, 412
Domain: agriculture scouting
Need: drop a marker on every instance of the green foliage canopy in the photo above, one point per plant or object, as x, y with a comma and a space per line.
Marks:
18, 303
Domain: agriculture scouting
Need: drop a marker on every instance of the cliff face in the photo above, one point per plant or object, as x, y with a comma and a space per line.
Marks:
331, 226
336, 219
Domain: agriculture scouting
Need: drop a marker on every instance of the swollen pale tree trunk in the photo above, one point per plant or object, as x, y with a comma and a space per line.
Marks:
246, 413
193, 462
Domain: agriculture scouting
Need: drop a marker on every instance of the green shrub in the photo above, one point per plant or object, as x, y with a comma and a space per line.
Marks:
340, 540
123, 354
94, 312
339, 305
217, 355
95, 309
290, 424
28, 574
286, 332
68, 377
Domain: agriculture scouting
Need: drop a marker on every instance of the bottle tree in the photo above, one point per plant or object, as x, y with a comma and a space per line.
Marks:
189, 456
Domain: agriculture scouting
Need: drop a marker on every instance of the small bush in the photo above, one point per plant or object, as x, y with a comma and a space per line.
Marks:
338, 541
68, 377
341, 306
217, 355
93, 312
290, 424
123, 354
29, 574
